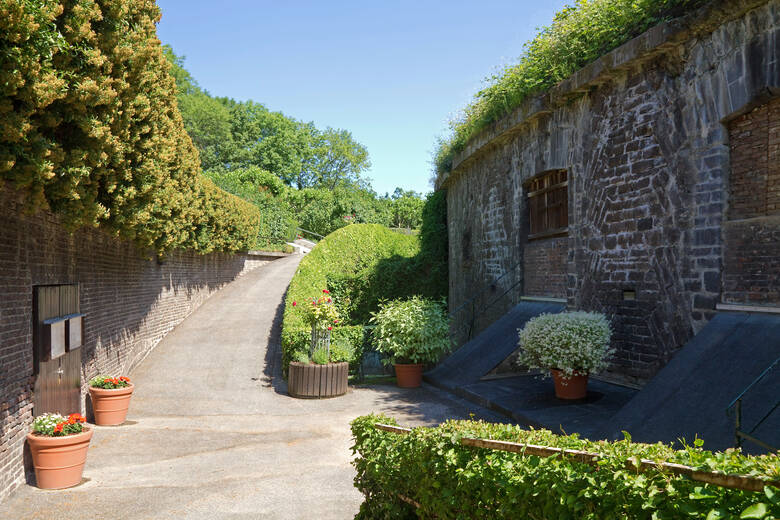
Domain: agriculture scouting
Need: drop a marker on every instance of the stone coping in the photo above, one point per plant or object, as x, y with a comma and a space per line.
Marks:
269, 254
651, 43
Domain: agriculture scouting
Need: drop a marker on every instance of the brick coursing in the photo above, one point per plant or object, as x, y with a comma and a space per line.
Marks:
545, 266
649, 162
131, 302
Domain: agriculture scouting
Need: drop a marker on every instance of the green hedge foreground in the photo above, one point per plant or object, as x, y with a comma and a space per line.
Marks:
447, 480
89, 127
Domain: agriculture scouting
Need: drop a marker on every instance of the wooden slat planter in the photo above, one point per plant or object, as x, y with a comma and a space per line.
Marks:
316, 381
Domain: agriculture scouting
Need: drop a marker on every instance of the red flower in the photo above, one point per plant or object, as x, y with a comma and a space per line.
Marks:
329, 300
125, 379
326, 291
335, 322
330, 328
58, 428
295, 303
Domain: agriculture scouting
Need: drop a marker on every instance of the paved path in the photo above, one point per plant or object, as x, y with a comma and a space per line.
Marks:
211, 432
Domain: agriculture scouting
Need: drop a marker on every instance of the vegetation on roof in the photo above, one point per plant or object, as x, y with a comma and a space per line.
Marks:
578, 35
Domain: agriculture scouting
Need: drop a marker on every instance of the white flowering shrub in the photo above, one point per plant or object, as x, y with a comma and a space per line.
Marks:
570, 342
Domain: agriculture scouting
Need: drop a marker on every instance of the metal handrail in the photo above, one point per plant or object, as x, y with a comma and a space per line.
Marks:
309, 232
736, 404
483, 291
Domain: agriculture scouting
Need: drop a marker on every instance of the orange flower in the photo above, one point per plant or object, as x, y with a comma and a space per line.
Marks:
125, 379
58, 428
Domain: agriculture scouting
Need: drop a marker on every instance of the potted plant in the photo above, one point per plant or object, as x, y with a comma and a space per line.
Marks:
59, 449
411, 333
110, 399
571, 345
322, 371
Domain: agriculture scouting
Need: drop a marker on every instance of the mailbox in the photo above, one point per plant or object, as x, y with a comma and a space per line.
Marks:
74, 331
53, 340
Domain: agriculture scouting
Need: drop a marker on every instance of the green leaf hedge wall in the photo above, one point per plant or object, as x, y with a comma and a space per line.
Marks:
89, 127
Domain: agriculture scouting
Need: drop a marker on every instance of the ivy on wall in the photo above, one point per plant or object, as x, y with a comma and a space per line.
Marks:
89, 127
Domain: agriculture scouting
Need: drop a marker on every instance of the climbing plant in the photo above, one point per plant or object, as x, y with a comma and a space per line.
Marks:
89, 127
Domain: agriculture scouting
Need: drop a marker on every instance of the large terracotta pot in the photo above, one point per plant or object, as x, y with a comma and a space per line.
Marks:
408, 375
110, 405
59, 461
574, 387
308, 380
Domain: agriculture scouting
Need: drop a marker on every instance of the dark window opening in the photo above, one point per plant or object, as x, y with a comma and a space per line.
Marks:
548, 203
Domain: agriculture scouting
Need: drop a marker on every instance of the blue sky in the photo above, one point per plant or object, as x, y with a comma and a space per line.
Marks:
391, 72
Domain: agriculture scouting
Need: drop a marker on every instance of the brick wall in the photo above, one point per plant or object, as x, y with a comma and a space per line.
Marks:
751, 261
545, 267
131, 302
641, 134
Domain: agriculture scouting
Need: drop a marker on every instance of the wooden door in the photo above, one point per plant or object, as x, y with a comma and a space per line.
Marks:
57, 381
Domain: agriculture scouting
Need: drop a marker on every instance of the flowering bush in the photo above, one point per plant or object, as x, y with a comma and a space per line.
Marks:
570, 342
320, 312
55, 425
416, 330
109, 383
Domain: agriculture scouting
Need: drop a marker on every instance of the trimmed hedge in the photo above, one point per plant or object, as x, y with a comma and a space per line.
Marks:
89, 127
349, 262
450, 480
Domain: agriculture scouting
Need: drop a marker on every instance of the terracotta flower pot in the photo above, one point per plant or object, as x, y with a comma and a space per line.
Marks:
408, 375
574, 387
110, 405
59, 461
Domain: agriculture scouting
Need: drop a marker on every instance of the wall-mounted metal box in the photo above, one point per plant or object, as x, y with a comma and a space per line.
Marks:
74, 331
53, 340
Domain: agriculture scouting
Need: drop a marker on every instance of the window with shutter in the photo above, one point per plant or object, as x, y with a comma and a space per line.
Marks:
548, 203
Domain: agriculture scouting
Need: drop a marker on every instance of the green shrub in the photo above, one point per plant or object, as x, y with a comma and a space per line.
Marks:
452, 481
320, 357
348, 253
577, 36
569, 341
89, 128
412, 331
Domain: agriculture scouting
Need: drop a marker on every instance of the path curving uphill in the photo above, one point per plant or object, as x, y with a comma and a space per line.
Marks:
213, 434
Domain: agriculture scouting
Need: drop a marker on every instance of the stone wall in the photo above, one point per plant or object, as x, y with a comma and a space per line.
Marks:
641, 133
130, 302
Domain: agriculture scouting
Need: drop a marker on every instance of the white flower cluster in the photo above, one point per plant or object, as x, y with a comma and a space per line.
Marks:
570, 342
44, 424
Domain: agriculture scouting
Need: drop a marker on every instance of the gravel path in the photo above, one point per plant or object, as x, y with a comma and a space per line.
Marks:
211, 432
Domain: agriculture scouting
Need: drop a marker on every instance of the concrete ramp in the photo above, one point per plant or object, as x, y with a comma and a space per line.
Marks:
492, 346
689, 396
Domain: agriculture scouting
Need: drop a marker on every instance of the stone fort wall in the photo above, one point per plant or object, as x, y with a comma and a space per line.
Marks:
671, 146
130, 302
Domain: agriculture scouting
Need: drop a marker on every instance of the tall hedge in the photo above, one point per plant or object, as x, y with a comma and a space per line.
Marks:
360, 264
452, 481
89, 127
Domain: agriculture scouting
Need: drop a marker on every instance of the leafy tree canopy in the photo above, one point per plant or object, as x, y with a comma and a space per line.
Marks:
232, 134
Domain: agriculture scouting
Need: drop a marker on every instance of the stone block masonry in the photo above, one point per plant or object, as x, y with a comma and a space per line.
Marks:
130, 302
671, 144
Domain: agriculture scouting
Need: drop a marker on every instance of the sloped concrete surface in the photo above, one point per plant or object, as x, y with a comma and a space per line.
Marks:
689, 397
492, 346
211, 432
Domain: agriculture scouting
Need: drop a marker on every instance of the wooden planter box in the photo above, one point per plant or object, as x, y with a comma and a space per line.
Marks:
315, 381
